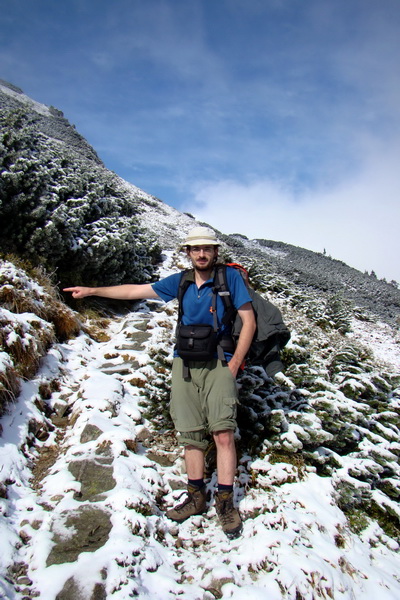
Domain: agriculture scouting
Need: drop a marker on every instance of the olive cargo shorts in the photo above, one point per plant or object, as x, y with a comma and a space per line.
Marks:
206, 402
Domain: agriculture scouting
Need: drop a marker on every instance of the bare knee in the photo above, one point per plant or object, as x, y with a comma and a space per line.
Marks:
190, 447
224, 439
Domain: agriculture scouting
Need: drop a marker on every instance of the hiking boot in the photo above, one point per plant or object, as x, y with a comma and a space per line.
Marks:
228, 515
194, 504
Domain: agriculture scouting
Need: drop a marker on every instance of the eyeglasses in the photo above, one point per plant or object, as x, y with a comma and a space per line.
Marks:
205, 249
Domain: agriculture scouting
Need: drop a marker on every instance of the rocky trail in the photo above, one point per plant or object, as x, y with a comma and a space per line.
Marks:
92, 482
80, 457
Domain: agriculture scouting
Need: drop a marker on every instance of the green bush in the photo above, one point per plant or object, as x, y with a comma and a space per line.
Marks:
67, 212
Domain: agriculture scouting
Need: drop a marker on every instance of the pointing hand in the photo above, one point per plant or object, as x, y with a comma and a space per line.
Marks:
78, 291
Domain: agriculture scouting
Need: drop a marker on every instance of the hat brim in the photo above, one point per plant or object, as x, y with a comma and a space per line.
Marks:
200, 242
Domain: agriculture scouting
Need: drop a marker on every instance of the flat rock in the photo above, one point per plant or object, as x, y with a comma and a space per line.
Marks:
83, 530
72, 590
90, 433
95, 477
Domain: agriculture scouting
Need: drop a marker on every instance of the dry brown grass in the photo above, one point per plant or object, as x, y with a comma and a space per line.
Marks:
95, 325
34, 317
66, 324
16, 300
27, 345
9, 386
47, 305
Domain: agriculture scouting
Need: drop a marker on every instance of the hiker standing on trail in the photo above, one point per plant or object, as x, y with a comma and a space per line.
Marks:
203, 391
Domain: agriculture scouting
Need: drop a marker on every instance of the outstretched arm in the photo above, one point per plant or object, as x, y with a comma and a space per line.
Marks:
117, 292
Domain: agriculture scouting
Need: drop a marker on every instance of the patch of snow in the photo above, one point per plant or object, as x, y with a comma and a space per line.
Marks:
36, 106
382, 339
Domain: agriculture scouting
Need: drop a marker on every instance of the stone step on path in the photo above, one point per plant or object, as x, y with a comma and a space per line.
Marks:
136, 335
124, 368
95, 473
89, 524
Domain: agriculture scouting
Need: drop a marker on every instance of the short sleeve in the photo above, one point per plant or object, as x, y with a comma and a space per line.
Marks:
167, 288
237, 287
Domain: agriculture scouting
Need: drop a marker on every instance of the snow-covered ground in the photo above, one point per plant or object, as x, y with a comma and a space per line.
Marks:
382, 339
296, 543
21, 97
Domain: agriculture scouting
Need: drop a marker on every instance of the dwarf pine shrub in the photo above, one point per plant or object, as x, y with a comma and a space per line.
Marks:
67, 212
331, 312
157, 390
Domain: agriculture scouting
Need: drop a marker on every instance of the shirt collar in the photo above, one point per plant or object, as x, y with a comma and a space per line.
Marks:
190, 277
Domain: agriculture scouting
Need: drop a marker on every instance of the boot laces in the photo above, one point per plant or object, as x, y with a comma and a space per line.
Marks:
226, 511
189, 498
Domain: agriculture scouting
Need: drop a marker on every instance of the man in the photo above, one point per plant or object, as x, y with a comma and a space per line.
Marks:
203, 398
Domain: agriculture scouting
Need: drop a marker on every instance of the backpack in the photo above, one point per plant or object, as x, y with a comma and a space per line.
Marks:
271, 334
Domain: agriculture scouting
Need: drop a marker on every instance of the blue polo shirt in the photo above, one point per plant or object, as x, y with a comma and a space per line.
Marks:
197, 302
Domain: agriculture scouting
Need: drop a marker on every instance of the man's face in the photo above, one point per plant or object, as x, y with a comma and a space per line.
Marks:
203, 257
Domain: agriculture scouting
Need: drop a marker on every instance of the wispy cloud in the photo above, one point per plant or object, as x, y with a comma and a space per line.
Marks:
356, 221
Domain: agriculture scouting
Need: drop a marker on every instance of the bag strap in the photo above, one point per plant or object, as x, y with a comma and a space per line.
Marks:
219, 287
222, 289
220, 352
183, 286
214, 310
244, 273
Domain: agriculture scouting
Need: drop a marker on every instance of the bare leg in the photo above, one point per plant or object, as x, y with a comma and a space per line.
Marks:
194, 459
226, 456
228, 515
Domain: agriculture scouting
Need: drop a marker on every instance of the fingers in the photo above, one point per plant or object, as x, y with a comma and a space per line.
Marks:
233, 369
77, 292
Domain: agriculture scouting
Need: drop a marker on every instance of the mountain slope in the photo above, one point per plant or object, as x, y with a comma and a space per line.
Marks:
91, 216
87, 448
50, 121
90, 462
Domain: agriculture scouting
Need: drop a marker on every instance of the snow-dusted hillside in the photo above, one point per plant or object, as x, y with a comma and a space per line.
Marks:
61, 207
50, 120
86, 476
89, 461
163, 221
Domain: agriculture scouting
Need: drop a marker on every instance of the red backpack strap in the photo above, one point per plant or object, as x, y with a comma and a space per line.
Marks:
244, 273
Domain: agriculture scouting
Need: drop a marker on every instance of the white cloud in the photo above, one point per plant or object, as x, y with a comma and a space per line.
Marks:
356, 221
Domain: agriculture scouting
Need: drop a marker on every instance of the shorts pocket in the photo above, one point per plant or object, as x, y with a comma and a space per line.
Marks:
231, 407
224, 414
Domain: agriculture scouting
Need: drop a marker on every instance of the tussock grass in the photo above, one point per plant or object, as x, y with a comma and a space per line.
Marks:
25, 344
9, 386
32, 318
30, 289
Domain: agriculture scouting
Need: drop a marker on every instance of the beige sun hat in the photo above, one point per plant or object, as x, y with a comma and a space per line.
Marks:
201, 236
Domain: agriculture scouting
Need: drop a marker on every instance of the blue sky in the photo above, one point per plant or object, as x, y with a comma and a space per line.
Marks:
278, 119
